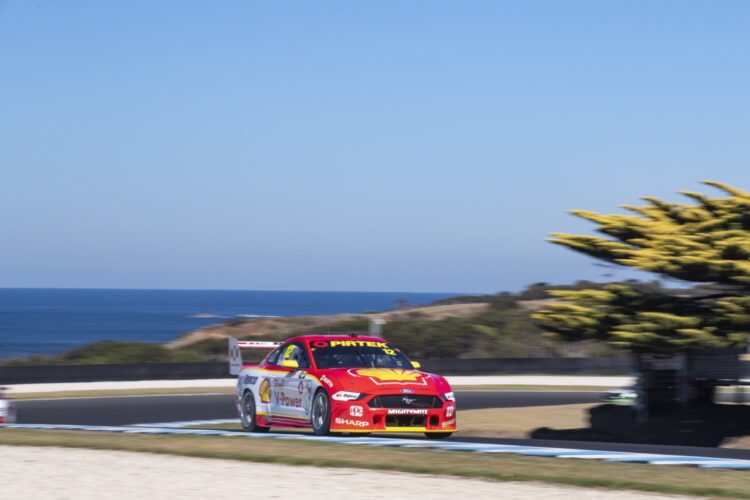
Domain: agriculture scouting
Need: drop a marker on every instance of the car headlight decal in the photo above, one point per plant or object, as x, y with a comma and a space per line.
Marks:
347, 396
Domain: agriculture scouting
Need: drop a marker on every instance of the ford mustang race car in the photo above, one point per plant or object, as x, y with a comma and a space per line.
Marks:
7, 408
333, 384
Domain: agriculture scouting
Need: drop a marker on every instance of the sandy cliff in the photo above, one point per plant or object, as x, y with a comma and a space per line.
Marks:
272, 326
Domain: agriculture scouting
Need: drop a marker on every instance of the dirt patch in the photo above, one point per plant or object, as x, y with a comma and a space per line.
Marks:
711, 426
520, 422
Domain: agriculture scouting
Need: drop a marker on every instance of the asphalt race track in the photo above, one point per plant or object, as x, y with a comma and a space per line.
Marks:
151, 409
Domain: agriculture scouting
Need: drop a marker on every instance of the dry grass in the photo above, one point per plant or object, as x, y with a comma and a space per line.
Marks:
682, 480
289, 325
742, 442
520, 422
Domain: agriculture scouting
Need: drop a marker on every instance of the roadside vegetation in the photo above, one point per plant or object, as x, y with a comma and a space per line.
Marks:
498, 466
501, 327
113, 352
704, 242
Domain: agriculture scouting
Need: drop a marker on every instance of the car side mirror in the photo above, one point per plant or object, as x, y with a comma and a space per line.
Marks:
290, 363
416, 364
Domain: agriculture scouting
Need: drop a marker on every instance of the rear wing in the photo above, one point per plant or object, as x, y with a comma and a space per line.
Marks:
235, 353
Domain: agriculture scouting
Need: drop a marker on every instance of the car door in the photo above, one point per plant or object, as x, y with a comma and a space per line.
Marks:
272, 390
297, 394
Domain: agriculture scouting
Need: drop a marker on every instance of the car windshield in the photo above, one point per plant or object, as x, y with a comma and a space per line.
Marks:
357, 354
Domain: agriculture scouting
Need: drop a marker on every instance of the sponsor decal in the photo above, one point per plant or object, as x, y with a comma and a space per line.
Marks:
448, 423
284, 399
326, 381
385, 376
406, 411
352, 423
289, 350
235, 358
345, 396
277, 382
349, 343
356, 411
357, 343
265, 391
234, 351
449, 411
249, 380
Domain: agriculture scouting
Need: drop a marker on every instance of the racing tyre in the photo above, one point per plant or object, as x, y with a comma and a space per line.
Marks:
438, 435
247, 414
321, 414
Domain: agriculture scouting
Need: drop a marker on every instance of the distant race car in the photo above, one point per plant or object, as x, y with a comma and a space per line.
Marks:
7, 408
627, 395
334, 384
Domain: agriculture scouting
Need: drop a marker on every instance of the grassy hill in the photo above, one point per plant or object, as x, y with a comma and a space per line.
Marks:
486, 326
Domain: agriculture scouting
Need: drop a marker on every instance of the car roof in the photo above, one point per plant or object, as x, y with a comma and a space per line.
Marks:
311, 338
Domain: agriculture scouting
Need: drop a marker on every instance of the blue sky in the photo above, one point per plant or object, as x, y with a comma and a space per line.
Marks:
340, 145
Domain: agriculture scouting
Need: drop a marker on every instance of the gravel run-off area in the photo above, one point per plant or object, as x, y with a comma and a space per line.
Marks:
59, 473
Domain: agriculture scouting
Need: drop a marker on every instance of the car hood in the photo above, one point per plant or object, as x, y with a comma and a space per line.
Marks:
387, 380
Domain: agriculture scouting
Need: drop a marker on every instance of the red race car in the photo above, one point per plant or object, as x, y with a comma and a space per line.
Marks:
340, 384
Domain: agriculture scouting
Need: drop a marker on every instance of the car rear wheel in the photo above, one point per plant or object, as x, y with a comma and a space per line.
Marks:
248, 414
321, 414
438, 435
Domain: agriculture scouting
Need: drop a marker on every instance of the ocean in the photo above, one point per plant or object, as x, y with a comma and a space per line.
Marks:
42, 321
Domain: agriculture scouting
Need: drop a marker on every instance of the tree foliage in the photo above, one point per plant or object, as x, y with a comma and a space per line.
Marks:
706, 241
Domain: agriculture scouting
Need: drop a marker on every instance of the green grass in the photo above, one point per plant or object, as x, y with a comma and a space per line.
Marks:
227, 427
500, 467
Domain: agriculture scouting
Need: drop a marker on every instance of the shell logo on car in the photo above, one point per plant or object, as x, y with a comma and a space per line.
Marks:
265, 391
382, 376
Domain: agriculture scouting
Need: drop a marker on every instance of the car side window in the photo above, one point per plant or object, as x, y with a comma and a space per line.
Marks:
273, 358
296, 351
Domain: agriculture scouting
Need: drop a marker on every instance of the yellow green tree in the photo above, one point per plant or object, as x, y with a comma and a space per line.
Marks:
704, 241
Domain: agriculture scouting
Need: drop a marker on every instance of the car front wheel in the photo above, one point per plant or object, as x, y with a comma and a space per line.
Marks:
321, 414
